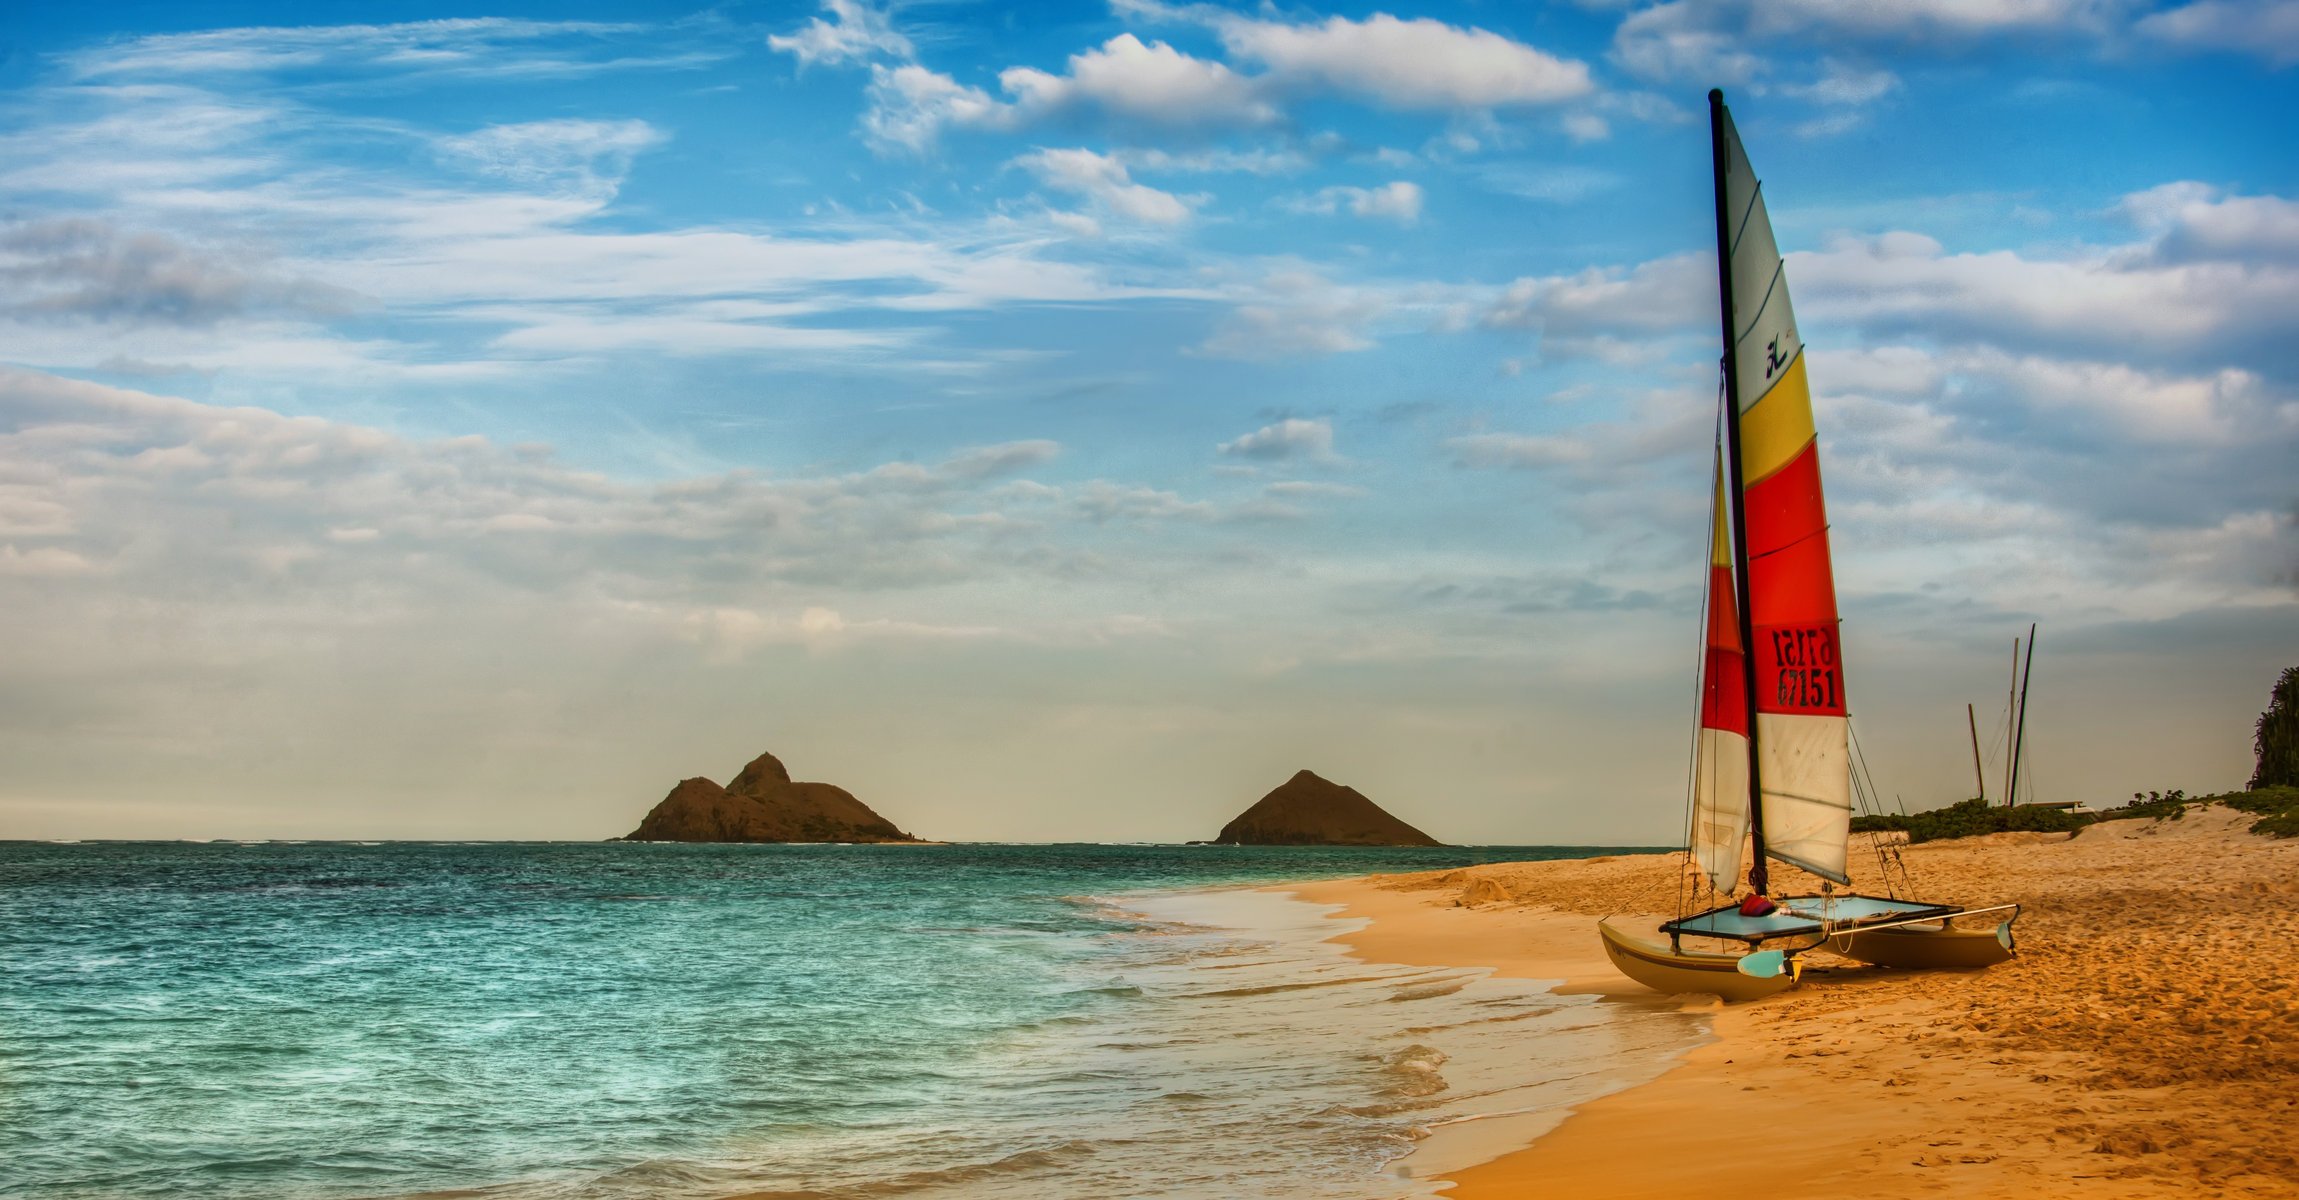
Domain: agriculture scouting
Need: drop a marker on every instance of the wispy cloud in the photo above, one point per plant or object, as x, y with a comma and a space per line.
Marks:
1290, 438
478, 46
1399, 201
855, 32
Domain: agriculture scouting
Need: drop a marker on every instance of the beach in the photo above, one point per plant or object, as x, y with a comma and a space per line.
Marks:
2141, 1044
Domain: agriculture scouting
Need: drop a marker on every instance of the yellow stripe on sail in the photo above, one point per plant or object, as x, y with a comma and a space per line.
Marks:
1778, 425
1720, 541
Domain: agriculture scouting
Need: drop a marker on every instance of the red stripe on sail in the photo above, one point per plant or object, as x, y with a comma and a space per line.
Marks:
1797, 658
1723, 682
1785, 507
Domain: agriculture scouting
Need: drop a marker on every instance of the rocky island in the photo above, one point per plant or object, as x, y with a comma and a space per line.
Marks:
1310, 810
763, 805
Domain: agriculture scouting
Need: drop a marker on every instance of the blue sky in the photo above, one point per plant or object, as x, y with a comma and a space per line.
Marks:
1066, 420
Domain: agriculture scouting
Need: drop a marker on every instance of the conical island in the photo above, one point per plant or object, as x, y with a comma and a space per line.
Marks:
1310, 810
763, 805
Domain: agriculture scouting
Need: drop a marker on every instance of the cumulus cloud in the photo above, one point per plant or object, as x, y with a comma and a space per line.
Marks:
1418, 64
1407, 64
1105, 181
1290, 438
1152, 83
1399, 201
855, 32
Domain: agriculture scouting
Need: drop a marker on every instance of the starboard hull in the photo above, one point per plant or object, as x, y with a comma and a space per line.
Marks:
1927, 947
1675, 972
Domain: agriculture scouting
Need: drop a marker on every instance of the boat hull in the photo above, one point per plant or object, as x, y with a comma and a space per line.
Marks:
1927, 947
1675, 972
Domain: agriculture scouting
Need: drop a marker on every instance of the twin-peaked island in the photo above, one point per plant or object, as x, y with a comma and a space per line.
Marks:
764, 805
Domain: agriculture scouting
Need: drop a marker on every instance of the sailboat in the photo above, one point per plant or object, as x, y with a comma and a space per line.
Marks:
1773, 763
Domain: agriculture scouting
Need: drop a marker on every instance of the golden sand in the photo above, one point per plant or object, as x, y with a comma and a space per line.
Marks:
2144, 1043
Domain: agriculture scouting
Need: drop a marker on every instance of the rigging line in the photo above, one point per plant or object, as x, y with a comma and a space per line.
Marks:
1864, 786
1700, 665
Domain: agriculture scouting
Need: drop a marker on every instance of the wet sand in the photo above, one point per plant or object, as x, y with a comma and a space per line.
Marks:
2144, 1043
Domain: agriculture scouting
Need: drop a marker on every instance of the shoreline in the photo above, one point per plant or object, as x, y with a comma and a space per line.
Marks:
2138, 1047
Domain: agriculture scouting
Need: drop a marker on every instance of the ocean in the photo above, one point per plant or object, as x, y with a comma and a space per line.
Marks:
307, 1021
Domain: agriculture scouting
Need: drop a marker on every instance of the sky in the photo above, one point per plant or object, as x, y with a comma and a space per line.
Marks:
1065, 421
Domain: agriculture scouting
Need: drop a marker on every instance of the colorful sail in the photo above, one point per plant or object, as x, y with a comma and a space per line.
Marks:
1720, 759
1802, 759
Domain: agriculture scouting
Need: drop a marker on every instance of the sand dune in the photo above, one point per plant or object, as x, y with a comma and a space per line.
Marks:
2144, 1043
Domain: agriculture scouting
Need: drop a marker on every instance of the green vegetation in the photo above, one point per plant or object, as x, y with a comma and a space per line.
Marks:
2277, 736
1970, 818
2276, 807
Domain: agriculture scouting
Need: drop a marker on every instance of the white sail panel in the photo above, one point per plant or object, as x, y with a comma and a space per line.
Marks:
1763, 322
1720, 807
1803, 762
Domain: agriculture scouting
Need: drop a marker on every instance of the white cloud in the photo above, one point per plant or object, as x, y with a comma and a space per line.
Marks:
78, 268
581, 156
1660, 295
473, 46
2267, 28
1415, 64
910, 105
1843, 83
1585, 127
1684, 39
2215, 276
2197, 222
855, 32
2112, 302
1290, 438
1729, 42
1518, 451
1399, 201
1151, 83
42, 562
509, 255
1295, 311
983, 462
1913, 19
1103, 502
1104, 180
1255, 161
1407, 64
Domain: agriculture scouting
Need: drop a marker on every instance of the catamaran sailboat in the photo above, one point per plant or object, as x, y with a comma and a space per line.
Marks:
1773, 761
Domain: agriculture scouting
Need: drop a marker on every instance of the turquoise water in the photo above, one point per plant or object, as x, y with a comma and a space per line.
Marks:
335, 1020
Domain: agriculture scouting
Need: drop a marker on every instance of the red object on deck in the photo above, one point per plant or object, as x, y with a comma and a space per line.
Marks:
1757, 906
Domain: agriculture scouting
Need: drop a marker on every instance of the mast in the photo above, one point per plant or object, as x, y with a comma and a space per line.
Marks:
2011, 718
2020, 727
1972, 719
1759, 879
